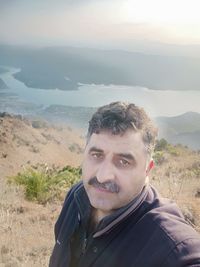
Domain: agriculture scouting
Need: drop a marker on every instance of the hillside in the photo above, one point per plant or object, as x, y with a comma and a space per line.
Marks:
25, 143
26, 231
27, 228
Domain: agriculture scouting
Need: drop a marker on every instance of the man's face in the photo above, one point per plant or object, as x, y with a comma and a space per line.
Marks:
114, 169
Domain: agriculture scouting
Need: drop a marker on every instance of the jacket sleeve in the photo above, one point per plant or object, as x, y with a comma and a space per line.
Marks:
185, 254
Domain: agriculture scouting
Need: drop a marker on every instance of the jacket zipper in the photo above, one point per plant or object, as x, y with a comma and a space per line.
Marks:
84, 245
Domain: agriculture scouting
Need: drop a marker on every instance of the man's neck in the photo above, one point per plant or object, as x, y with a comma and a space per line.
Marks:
97, 215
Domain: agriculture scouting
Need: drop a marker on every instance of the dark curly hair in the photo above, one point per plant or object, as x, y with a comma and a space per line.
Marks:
118, 117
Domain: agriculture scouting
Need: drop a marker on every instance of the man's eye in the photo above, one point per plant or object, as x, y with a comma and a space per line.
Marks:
124, 162
96, 155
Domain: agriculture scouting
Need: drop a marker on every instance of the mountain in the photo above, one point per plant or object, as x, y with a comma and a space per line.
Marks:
66, 67
77, 117
183, 129
157, 48
191, 140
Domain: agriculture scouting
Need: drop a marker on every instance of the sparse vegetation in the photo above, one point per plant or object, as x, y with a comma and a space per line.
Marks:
173, 150
34, 149
161, 145
195, 168
44, 184
163, 149
159, 157
39, 124
75, 148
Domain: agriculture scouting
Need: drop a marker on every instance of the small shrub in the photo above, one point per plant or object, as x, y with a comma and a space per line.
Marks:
34, 149
75, 148
161, 145
38, 124
43, 184
4, 155
72, 147
195, 168
159, 157
197, 193
173, 150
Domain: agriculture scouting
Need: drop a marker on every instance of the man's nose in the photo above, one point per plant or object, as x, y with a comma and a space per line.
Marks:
105, 172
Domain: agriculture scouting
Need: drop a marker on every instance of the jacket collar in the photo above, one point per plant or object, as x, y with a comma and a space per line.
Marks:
110, 221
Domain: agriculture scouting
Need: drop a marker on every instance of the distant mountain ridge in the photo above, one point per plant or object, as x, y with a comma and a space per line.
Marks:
66, 67
187, 122
183, 129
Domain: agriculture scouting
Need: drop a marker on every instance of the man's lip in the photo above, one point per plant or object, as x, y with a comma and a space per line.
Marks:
104, 190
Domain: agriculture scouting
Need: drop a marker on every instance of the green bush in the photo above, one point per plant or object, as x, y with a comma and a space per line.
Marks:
43, 184
161, 145
195, 168
38, 124
173, 150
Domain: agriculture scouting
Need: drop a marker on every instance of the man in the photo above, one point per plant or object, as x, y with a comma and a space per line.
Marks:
115, 218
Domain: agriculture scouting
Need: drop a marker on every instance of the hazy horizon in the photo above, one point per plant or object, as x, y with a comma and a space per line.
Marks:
127, 24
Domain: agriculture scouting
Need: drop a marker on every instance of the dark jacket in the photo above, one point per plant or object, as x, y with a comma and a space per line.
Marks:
149, 232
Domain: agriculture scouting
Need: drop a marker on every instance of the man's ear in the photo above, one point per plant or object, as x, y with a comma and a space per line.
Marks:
150, 166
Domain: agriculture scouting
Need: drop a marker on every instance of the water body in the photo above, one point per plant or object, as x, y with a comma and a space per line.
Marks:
157, 103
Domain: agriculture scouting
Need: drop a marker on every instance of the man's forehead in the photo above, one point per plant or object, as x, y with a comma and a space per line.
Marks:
129, 141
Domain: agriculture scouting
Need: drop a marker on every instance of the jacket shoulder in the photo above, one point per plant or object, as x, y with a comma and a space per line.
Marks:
69, 200
181, 240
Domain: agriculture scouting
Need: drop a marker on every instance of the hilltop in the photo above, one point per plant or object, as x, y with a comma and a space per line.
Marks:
24, 143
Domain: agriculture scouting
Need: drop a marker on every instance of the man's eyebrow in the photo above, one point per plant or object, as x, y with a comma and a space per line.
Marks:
127, 156
95, 149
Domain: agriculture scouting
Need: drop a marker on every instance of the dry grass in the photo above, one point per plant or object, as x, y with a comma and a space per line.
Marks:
26, 229
178, 178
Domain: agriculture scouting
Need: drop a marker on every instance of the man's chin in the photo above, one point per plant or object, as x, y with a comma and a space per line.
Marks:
101, 204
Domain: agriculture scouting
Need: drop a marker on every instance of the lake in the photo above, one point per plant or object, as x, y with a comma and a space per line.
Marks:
155, 102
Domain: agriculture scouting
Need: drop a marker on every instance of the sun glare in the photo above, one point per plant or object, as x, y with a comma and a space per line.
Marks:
178, 20
160, 11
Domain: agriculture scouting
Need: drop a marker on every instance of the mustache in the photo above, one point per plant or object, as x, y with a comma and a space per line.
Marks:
110, 186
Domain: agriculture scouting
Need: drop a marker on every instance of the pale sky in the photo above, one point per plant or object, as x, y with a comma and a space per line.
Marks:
60, 22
